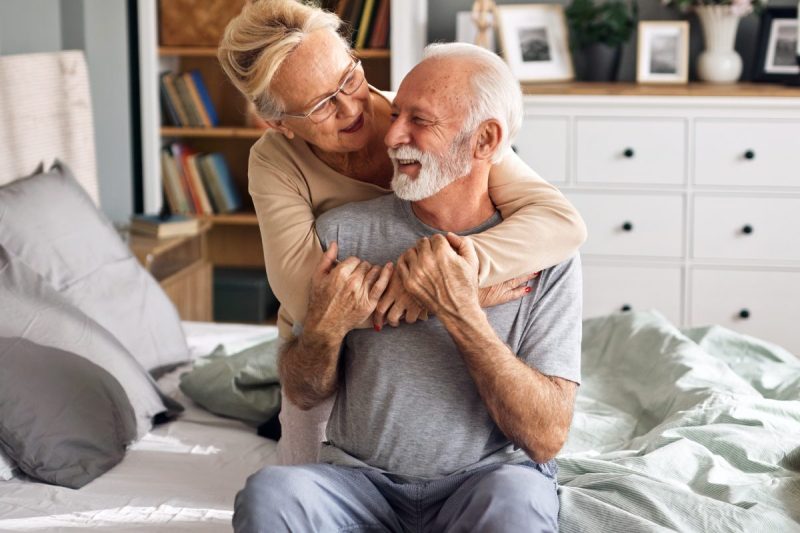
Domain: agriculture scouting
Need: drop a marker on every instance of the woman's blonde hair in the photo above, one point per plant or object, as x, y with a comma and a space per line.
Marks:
258, 41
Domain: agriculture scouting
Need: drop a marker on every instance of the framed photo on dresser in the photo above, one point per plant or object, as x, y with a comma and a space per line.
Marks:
663, 51
535, 42
776, 55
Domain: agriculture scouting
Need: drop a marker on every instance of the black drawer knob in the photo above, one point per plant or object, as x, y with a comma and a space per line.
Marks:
744, 314
625, 308
747, 229
628, 152
749, 154
514, 148
627, 226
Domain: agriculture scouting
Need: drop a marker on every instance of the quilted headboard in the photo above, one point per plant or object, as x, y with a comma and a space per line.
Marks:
46, 114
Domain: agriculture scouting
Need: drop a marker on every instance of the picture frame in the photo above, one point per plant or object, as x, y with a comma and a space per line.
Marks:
534, 41
662, 52
775, 59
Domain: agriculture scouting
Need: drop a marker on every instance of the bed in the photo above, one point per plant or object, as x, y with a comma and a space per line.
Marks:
695, 430
182, 476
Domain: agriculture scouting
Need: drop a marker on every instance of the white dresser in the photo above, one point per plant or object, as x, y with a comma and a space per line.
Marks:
691, 196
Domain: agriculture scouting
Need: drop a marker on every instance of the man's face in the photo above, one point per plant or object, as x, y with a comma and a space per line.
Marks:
426, 143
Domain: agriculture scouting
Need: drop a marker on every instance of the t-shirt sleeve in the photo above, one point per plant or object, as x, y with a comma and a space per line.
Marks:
540, 226
551, 339
286, 221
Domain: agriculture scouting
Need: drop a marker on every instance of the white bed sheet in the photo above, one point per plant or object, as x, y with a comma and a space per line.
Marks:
182, 476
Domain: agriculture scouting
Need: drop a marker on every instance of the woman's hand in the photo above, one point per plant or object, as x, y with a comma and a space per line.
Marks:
396, 304
505, 292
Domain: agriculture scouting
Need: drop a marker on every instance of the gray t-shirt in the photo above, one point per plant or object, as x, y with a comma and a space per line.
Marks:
406, 403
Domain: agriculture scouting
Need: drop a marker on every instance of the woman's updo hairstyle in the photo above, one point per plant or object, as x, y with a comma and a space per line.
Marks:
258, 40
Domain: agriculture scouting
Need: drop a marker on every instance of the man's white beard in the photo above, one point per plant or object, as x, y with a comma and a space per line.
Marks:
436, 172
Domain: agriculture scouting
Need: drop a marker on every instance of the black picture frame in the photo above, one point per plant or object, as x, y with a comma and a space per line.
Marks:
759, 65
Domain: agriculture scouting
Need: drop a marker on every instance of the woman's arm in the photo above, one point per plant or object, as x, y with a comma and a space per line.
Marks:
291, 247
540, 227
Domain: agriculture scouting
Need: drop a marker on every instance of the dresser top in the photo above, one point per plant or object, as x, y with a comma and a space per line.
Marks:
763, 90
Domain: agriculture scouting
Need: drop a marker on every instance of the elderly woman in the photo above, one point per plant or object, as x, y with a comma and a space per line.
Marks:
326, 148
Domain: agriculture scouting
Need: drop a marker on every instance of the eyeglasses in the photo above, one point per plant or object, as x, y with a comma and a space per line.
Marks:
327, 106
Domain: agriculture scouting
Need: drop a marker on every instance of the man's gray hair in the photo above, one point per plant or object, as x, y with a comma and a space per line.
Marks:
496, 92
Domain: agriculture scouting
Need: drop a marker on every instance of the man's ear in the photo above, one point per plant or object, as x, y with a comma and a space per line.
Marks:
490, 134
279, 126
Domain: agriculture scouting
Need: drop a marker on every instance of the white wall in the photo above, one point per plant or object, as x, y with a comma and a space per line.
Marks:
99, 28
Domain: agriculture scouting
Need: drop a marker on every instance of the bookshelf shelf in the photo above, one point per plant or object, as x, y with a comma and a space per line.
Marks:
231, 219
211, 133
187, 51
210, 51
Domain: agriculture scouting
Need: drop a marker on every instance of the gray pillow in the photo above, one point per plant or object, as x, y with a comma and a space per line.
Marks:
49, 222
32, 310
64, 420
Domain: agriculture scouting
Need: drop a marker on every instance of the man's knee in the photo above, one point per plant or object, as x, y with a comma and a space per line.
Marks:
517, 494
266, 496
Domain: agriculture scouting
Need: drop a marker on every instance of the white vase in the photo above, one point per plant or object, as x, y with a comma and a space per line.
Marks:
719, 62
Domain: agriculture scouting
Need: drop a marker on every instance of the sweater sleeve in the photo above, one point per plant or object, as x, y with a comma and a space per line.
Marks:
540, 226
291, 247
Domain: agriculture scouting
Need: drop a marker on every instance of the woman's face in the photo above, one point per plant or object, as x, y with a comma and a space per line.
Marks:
314, 71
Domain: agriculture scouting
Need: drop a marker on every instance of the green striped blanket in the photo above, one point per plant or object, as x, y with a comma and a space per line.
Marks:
695, 430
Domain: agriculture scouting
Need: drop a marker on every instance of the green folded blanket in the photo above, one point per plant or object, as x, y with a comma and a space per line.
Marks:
243, 385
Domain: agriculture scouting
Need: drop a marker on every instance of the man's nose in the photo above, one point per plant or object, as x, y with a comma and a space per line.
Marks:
397, 134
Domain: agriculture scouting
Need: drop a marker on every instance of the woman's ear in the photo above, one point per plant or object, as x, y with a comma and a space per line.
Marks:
279, 126
490, 133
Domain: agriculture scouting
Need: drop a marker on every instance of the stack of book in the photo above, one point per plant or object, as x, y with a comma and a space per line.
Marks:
162, 227
196, 183
185, 100
369, 20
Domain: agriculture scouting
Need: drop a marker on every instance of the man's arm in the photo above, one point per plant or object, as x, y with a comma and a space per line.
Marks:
342, 296
533, 410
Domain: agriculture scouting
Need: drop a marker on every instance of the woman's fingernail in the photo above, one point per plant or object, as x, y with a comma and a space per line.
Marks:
527, 289
377, 327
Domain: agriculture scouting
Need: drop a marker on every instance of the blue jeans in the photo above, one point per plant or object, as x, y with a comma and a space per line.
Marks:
322, 497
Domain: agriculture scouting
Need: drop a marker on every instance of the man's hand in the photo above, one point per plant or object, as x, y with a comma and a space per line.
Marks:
441, 273
396, 304
344, 295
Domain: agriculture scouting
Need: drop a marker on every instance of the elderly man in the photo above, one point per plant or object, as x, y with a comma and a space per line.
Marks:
450, 424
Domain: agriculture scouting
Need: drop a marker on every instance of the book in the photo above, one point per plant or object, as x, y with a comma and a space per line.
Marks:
379, 36
178, 156
219, 167
341, 8
162, 227
196, 182
183, 93
173, 188
168, 110
205, 97
353, 18
197, 102
213, 185
364, 24
175, 99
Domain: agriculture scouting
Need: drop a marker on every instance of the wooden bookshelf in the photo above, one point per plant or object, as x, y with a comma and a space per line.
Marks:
233, 132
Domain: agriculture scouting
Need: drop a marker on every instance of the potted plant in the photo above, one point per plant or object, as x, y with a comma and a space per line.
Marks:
597, 33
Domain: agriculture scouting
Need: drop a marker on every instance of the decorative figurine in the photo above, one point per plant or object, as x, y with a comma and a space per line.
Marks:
482, 13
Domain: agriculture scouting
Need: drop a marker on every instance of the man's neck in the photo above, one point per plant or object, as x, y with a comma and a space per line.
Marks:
462, 205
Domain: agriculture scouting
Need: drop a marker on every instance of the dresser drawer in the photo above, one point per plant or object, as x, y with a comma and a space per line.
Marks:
750, 153
645, 151
542, 143
631, 224
746, 228
763, 304
607, 289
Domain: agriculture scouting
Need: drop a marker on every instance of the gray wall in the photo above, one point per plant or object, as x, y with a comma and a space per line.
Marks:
99, 28
442, 16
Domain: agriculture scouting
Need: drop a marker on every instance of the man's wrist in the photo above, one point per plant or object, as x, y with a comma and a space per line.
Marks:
319, 336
